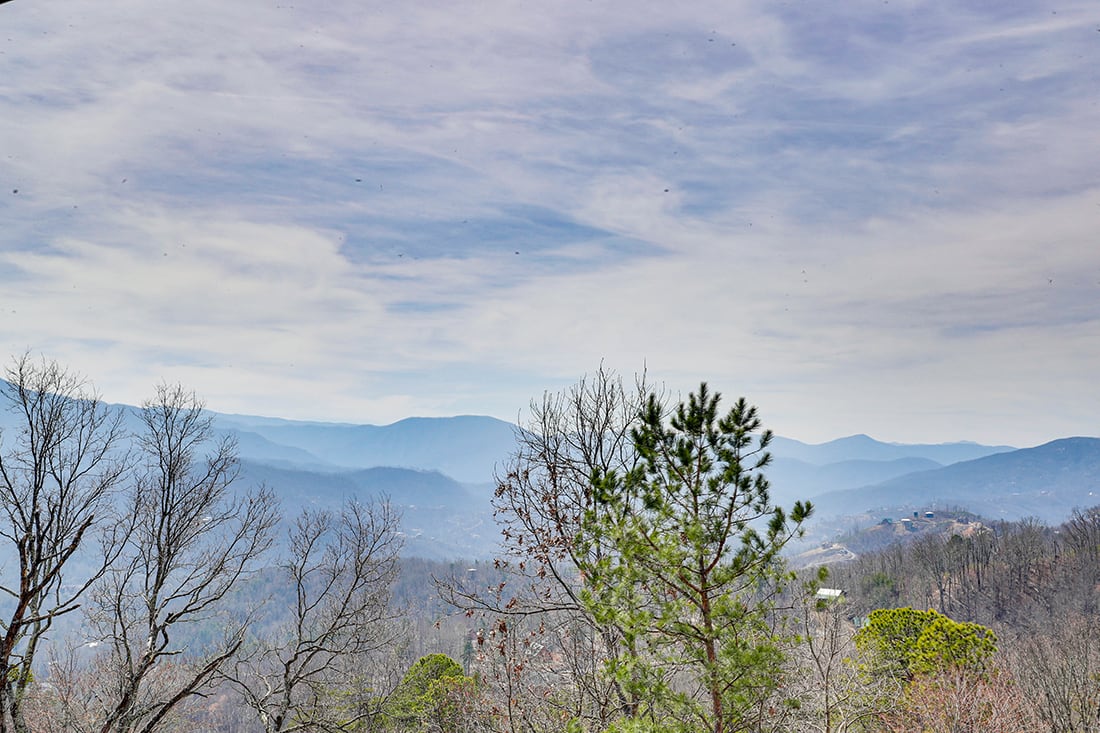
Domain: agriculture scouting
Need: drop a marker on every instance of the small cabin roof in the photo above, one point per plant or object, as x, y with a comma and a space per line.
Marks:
828, 594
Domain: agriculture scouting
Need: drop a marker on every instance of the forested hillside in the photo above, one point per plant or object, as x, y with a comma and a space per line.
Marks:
640, 585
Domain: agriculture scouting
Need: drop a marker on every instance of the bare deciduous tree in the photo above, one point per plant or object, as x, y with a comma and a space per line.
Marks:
59, 471
824, 679
194, 540
1058, 669
542, 496
955, 701
339, 571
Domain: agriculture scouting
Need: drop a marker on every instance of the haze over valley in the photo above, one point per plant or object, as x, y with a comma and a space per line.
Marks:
440, 471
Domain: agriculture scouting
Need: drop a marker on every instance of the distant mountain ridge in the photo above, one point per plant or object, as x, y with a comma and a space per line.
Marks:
441, 518
866, 448
439, 471
792, 479
1047, 481
465, 447
803, 471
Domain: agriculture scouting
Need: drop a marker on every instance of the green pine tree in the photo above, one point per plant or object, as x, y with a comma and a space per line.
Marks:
697, 542
904, 643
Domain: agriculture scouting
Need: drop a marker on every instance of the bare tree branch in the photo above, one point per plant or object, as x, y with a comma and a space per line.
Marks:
542, 496
194, 542
340, 567
59, 473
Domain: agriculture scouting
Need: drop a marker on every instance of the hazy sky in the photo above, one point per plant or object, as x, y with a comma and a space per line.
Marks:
878, 217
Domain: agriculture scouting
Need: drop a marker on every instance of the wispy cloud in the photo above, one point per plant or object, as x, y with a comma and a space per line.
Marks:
869, 217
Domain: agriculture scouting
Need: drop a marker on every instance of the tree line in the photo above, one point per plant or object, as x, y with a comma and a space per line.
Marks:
641, 586
136, 525
645, 590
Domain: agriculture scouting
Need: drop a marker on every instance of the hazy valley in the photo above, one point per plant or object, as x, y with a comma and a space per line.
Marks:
461, 574
440, 472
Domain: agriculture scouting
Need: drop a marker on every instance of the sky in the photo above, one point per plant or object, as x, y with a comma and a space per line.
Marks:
865, 217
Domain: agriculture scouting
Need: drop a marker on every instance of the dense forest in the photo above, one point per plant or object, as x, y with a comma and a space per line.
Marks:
642, 586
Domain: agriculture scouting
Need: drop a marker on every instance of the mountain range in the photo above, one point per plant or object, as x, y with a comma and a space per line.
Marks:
439, 471
464, 447
1046, 482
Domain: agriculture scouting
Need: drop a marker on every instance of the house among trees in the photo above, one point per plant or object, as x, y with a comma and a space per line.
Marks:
829, 594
